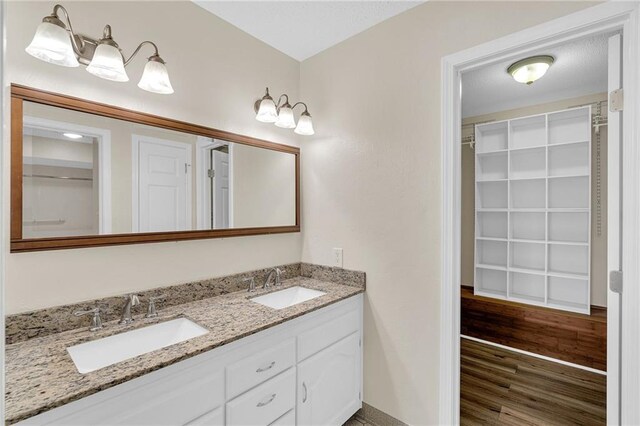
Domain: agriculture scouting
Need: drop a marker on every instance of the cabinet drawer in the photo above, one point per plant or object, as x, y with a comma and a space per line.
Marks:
288, 419
212, 418
255, 369
264, 404
175, 399
316, 339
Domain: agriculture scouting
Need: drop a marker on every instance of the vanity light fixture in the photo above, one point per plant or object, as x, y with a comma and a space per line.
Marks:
56, 42
267, 111
530, 69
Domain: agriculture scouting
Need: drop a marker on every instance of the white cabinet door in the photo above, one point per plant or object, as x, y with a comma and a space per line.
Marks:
329, 384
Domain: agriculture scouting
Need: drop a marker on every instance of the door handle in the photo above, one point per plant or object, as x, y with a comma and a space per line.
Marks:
304, 388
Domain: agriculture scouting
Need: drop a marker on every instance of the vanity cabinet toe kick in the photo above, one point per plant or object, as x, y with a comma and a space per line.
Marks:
306, 371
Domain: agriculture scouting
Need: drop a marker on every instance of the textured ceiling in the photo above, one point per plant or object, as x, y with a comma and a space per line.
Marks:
580, 68
302, 28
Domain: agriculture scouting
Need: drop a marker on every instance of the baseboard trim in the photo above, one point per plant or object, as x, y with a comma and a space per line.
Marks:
546, 358
375, 417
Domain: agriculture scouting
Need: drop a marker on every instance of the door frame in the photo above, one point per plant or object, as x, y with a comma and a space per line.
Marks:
135, 174
104, 161
594, 20
203, 146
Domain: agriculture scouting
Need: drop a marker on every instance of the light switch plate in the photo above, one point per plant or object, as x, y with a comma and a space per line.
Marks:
337, 257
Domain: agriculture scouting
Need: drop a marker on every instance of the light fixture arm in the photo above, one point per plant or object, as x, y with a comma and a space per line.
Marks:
280, 98
303, 104
74, 37
156, 56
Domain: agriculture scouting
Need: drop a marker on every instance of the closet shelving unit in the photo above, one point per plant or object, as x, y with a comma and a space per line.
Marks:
533, 209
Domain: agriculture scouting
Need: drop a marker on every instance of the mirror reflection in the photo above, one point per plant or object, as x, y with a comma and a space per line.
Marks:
85, 174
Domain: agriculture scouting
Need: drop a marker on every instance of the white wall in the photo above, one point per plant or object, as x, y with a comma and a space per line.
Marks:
217, 72
264, 187
371, 180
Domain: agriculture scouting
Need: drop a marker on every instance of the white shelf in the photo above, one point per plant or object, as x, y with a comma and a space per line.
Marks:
527, 164
570, 125
491, 225
492, 167
491, 281
528, 132
492, 253
569, 160
528, 271
491, 137
569, 226
527, 226
569, 259
533, 200
528, 194
527, 286
569, 293
569, 192
492, 194
527, 256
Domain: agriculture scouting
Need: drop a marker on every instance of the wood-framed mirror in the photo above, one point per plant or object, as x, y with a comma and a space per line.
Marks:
86, 174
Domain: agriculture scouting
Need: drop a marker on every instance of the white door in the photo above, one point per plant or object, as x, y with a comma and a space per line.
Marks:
614, 140
162, 185
221, 191
329, 384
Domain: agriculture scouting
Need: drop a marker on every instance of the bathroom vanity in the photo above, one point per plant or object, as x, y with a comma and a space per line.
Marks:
256, 365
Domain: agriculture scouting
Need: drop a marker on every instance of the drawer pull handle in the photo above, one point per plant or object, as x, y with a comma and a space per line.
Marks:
304, 388
261, 369
269, 401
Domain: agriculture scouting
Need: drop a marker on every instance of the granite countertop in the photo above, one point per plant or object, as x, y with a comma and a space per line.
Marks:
40, 374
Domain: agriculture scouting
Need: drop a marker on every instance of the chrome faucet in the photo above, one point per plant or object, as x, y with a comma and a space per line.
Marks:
96, 321
277, 282
152, 311
131, 300
252, 283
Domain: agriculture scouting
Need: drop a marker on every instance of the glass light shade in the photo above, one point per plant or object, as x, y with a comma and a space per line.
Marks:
305, 125
155, 78
108, 63
285, 118
267, 112
530, 69
52, 44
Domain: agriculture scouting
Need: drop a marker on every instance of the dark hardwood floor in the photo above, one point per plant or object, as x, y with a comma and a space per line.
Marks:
576, 338
501, 387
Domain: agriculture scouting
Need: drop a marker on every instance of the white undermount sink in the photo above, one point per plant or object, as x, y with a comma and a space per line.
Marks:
288, 297
94, 355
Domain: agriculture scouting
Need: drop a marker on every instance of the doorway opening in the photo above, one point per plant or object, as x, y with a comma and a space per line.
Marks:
530, 275
215, 184
66, 169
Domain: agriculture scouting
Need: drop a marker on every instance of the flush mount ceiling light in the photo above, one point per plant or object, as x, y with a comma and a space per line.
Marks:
72, 135
56, 42
267, 111
530, 69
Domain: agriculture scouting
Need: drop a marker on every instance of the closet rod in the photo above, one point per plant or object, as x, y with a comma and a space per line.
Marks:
44, 222
59, 177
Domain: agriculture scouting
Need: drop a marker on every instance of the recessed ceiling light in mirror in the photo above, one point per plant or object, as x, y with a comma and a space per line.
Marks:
72, 135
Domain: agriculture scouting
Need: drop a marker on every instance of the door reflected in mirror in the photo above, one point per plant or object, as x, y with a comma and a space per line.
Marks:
86, 174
